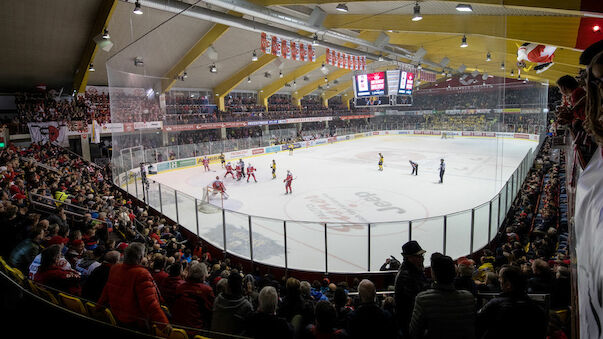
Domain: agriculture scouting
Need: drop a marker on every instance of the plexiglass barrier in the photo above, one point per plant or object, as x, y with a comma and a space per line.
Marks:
324, 247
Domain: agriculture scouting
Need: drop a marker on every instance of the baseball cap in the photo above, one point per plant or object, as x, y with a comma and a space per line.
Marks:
412, 248
57, 240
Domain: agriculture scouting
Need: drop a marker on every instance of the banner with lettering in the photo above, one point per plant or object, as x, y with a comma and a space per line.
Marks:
345, 60
287, 49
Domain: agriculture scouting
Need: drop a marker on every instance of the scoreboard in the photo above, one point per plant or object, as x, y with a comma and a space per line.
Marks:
388, 88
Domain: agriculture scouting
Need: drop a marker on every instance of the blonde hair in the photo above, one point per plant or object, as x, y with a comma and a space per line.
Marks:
594, 114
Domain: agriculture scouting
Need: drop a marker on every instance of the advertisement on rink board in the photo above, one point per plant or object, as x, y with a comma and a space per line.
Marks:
257, 151
273, 149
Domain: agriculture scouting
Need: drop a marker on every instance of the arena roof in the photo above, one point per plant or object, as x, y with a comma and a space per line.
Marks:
51, 42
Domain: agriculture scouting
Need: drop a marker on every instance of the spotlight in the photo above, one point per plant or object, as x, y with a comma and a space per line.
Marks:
464, 8
184, 75
443, 72
213, 69
502, 66
91, 68
342, 8
419, 66
380, 57
106, 34
248, 80
326, 80
137, 10
417, 12
464, 42
280, 74
315, 40
254, 56
323, 67
512, 73
488, 57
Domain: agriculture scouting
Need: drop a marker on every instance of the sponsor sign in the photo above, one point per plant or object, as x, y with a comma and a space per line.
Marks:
284, 147
499, 134
404, 132
162, 166
238, 154
257, 151
272, 149
521, 136
511, 110
375, 133
321, 141
350, 117
186, 162
331, 140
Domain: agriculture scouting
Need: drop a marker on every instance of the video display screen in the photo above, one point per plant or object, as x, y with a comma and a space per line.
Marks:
372, 84
406, 83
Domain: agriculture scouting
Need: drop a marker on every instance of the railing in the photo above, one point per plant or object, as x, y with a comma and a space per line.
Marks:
277, 242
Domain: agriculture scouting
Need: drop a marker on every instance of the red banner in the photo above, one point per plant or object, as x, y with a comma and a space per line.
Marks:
303, 52
264, 44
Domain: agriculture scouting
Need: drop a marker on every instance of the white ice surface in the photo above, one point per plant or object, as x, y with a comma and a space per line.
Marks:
340, 183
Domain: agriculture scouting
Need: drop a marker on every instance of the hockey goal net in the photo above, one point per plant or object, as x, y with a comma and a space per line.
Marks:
212, 200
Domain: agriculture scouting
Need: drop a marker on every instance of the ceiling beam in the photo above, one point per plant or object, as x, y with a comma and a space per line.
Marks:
311, 87
234, 80
549, 30
214, 33
103, 16
331, 92
575, 7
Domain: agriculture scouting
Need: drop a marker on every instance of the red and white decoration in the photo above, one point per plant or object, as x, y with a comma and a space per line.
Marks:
346, 61
427, 76
287, 49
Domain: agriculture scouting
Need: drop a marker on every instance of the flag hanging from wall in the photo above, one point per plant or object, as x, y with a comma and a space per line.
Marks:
345, 60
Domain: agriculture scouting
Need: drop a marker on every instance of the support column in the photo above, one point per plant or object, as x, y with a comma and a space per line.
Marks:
84, 139
326, 124
297, 102
325, 101
265, 130
165, 139
221, 104
223, 133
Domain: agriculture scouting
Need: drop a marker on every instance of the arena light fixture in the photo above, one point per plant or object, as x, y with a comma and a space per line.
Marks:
502, 66
596, 28
380, 57
294, 83
512, 73
213, 69
106, 34
342, 8
254, 56
326, 80
323, 67
280, 74
419, 66
248, 80
137, 10
184, 75
91, 68
416, 16
315, 40
464, 8
488, 57
464, 42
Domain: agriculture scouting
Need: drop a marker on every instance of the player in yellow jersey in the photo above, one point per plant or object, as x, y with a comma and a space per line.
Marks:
291, 149
273, 166
380, 162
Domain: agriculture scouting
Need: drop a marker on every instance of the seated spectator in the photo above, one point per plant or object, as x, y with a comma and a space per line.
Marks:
130, 292
541, 280
368, 320
231, 308
512, 307
159, 274
442, 311
170, 284
194, 299
464, 280
51, 275
324, 326
93, 286
264, 324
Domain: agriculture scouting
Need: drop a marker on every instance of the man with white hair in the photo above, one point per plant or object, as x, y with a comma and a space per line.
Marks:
194, 300
368, 320
264, 323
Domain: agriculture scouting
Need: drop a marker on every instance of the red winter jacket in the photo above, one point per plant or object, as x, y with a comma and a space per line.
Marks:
132, 296
193, 305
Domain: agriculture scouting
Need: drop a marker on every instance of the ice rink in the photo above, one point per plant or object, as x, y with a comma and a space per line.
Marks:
339, 184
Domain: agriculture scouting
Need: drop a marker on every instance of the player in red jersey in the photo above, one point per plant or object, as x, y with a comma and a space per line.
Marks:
287, 182
218, 185
229, 170
239, 171
206, 163
250, 172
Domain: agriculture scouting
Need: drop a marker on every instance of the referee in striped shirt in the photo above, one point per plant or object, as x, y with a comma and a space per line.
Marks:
442, 169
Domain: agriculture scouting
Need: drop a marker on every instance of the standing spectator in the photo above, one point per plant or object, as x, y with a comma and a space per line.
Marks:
131, 293
159, 274
409, 282
443, 311
512, 314
194, 299
93, 286
26, 251
264, 324
170, 284
231, 308
368, 320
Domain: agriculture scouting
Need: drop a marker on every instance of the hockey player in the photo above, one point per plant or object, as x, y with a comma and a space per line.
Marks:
442, 170
540, 54
415, 167
291, 147
205, 163
222, 159
229, 170
219, 187
273, 166
242, 167
250, 172
380, 162
287, 182
239, 171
